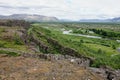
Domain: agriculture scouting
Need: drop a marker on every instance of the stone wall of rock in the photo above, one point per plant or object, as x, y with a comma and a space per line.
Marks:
53, 57
107, 73
44, 48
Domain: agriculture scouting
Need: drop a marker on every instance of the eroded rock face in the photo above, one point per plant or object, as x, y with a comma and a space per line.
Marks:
107, 73
28, 68
113, 75
41, 45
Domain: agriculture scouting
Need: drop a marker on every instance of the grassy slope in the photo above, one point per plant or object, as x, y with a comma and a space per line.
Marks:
99, 49
10, 42
89, 47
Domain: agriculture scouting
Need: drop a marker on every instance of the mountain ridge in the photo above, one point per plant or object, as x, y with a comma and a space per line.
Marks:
30, 17
116, 19
42, 18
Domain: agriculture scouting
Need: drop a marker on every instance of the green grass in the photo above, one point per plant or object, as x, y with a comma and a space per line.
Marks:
12, 45
9, 53
99, 49
106, 50
2, 30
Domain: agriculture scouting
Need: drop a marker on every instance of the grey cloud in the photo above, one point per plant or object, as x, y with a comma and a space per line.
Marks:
22, 7
12, 7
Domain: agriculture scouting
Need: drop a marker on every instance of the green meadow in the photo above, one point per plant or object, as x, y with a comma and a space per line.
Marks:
104, 50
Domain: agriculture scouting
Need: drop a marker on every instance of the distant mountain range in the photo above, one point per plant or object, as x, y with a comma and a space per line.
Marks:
41, 18
28, 17
116, 19
101, 20
95, 20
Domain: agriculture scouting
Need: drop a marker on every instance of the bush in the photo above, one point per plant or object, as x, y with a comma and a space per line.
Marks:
1, 44
81, 41
17, 40
9, 53
100, 51
113, 46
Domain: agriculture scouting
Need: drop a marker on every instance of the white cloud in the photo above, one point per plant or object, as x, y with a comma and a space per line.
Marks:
69, 9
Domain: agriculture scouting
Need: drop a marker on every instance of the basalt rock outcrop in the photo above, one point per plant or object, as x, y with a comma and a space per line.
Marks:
107, 73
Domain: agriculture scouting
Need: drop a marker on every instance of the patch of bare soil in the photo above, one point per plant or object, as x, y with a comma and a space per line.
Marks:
21, 68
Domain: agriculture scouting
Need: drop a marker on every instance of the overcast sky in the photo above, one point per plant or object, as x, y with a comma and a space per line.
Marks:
63, 9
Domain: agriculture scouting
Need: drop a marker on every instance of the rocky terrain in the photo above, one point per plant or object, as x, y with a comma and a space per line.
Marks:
51, 67
28, 68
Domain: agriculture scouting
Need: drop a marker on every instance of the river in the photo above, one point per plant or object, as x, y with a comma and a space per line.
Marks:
88, 36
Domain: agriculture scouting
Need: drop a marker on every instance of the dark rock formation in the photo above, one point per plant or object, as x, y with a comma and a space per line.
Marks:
107, 73
20, 23
41, 45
